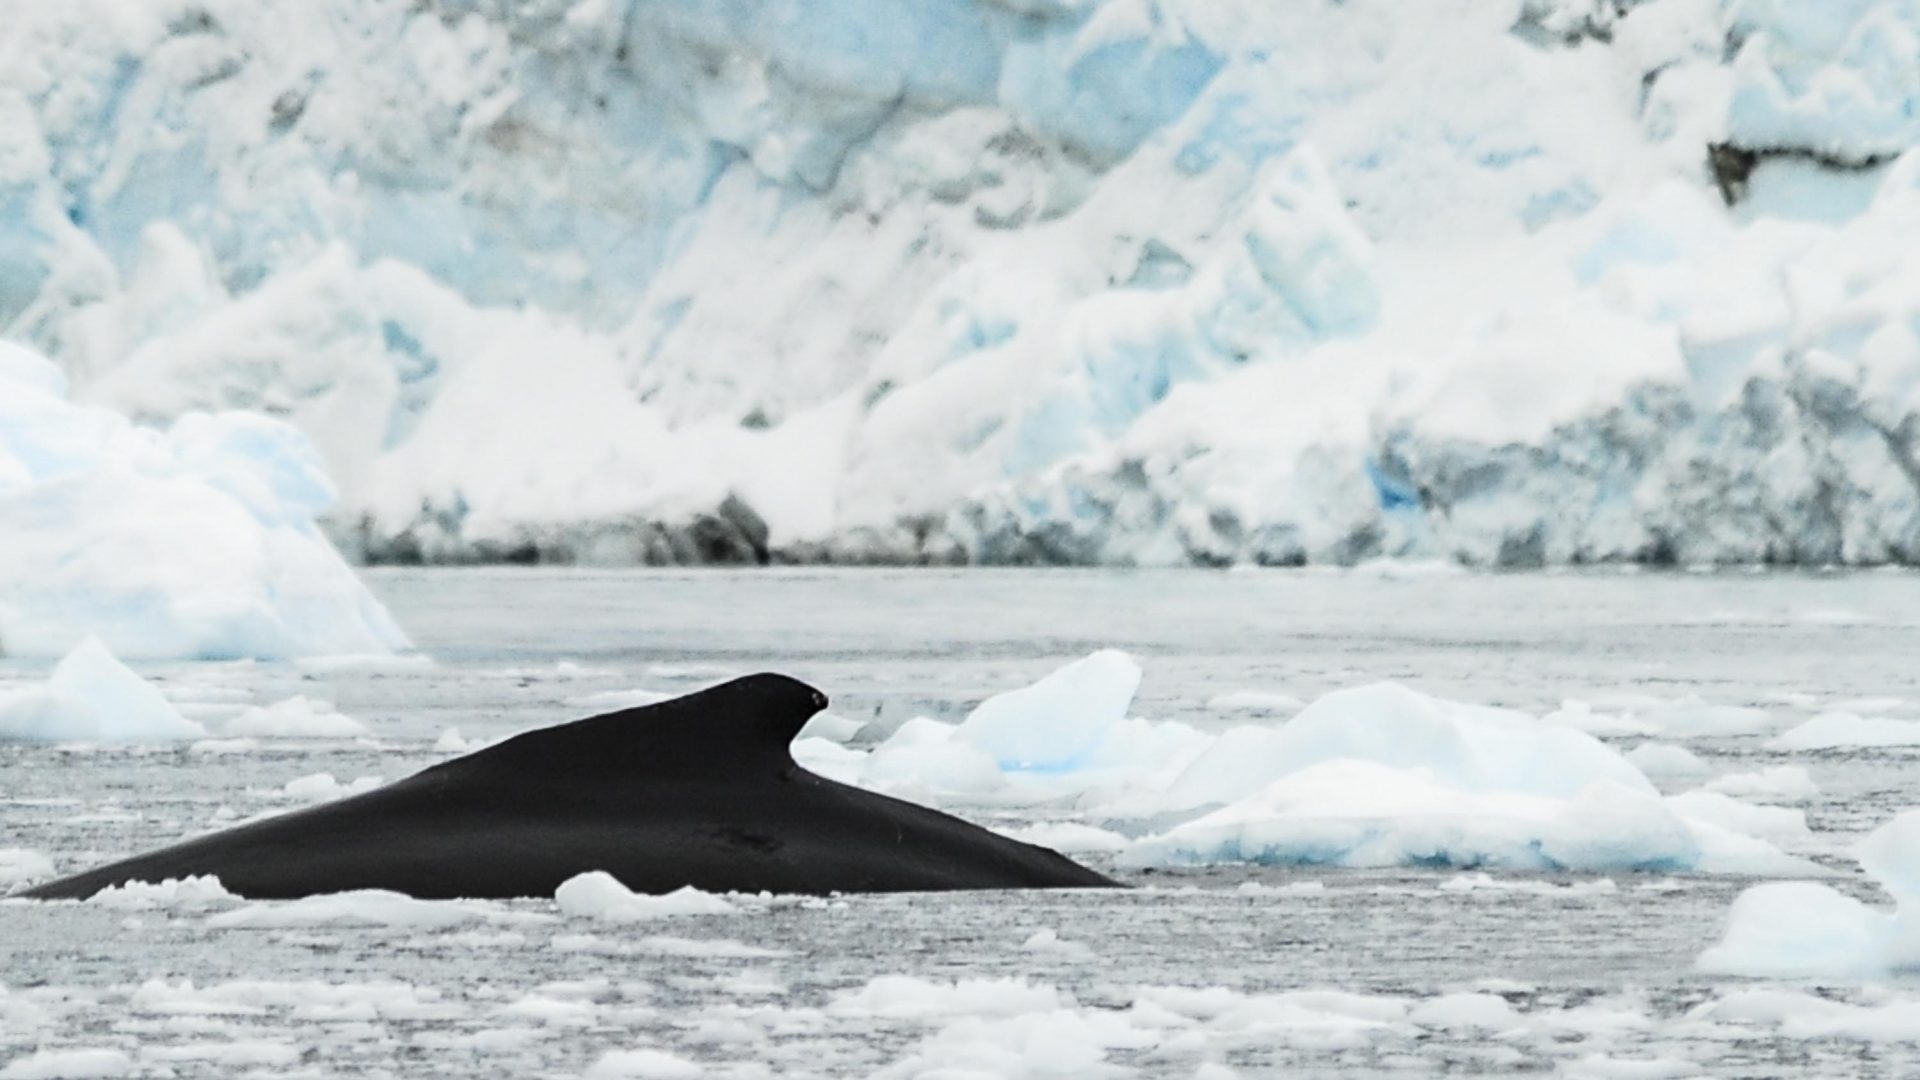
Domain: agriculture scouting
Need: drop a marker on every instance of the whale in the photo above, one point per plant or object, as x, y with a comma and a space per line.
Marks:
701, 790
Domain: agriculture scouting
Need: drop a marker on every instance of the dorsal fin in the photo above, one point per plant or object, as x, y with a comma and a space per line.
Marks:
742, 726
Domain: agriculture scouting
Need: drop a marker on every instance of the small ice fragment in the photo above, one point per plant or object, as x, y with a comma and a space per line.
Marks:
599, 895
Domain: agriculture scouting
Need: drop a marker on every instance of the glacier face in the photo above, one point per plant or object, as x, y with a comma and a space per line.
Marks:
1123, 281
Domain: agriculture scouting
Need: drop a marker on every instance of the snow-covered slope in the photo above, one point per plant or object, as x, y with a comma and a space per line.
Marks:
1152, 281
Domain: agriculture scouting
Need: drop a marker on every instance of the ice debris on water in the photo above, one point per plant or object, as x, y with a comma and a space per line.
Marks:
1800, 929
599, 895
91, 697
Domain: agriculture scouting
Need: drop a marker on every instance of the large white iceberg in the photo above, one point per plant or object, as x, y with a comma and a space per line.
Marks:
1103, 281
1378, 775
197, 541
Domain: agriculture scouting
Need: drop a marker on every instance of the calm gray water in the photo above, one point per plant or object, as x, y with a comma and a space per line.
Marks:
1598, 974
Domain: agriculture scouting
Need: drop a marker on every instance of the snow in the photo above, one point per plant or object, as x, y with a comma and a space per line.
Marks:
1101, 281
91, 697
1806, 929
198, 541
599, 895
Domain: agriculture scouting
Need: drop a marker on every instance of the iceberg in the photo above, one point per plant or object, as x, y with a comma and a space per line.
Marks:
194, 542
1802, 929
1378, 775
92, 697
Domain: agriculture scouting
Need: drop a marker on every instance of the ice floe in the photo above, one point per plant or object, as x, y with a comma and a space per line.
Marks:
1377, 775
1802, 928
599, 895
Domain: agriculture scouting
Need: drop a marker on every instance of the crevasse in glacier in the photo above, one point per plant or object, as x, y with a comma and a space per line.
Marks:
1135, 281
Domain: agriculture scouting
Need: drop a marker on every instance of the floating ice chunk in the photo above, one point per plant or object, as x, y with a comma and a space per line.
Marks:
1064, 1042
174, 894
92, 697
1604, 1067
1799, 1015
1665, 760
599, 895
1058, 722
1799, 928
1675, 718
1480, 882
21, 865
322, 787
1841, 731
643, 1064
452, 742
1466, 1012
294, 718
75, 1064
1291, 888
243, 1054
215, 747
905, 997
1359, 813
704, 948
1370, 777
1891, 856
1474, 748
1785, 783
364, 907
1048, 940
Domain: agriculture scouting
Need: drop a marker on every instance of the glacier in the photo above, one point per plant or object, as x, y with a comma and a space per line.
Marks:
1148, 282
